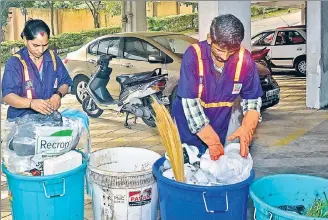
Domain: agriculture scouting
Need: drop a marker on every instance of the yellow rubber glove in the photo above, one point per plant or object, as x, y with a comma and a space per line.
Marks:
212, 140
245, 131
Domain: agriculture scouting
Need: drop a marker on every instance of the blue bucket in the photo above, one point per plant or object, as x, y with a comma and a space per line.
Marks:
182, 201
53, 197
273, 191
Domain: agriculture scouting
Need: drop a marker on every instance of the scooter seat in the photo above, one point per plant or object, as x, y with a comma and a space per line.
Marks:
130, 78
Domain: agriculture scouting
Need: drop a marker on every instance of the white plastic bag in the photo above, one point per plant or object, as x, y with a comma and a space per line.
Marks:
190, 154
230, 168
189, 171
28, 141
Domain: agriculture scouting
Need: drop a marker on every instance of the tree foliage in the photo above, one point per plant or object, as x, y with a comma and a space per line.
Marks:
193, 4
113, 7
94, 7
6, 4
57, 4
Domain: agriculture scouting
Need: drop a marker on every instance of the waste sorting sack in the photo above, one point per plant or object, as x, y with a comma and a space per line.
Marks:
84, 142
230, 168
31, 139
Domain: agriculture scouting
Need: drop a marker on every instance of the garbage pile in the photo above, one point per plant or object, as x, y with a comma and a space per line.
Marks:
37, 144
318, 208
230, 168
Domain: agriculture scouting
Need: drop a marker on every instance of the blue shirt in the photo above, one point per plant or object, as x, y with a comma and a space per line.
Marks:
217, 88
13, 79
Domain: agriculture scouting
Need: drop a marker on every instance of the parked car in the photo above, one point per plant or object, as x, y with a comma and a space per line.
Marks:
287, 47
270, 87
132, 51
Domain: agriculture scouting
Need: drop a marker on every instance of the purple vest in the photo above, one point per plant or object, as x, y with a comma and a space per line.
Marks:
219, 90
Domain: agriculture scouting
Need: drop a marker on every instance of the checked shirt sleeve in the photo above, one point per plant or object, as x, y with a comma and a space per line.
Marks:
195, 115
252, 104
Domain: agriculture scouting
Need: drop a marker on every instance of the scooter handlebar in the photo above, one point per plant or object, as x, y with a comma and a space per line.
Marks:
104, 60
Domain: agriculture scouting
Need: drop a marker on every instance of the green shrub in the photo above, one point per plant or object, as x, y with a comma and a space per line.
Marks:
7, 48
61, 42
178, 23
173, 23
260, 10
155, 24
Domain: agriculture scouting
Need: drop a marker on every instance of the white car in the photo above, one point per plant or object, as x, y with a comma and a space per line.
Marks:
287, 47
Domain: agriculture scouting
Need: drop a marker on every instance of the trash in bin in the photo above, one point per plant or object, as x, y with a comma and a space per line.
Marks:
31, 139
51, 197
230, 168
189, 201
319, 207
298, 209
62, 163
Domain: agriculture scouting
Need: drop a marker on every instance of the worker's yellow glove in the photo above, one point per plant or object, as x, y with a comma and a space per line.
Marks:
245, 131
212, 140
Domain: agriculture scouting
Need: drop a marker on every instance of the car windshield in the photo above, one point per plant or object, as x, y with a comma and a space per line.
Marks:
263, 39
178, 44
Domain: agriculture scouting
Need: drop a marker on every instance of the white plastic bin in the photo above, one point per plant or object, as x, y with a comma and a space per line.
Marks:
123, 186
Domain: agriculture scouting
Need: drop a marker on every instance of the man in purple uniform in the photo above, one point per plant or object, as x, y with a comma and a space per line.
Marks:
213, 74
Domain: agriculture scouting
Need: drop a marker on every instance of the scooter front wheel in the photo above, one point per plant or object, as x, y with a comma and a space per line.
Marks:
91, 108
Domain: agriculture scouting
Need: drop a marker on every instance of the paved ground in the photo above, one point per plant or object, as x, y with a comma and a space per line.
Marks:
291, 138
271, 23
274, 22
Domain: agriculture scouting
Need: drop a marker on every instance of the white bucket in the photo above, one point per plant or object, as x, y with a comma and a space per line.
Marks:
122, 184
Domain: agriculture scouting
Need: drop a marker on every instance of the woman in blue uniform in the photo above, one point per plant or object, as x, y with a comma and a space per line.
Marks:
213, 74
35, 79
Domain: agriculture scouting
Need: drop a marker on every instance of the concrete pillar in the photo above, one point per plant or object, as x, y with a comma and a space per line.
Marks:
207, 10
303, 13
317, 55
136, 15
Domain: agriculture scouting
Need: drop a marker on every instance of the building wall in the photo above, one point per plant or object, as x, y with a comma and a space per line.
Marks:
76, 20
324, 56
313, 49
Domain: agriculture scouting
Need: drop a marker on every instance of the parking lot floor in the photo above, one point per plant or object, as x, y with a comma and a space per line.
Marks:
290, 139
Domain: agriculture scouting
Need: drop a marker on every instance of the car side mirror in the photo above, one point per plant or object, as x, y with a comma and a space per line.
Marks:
155, 59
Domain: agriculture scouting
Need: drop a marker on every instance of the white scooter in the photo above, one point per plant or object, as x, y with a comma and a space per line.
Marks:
135, 96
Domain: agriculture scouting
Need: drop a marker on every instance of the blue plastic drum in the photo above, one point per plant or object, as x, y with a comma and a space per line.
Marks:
270, 192
50, 197
180, 201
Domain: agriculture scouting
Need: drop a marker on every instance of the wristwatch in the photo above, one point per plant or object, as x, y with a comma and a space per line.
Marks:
59, 93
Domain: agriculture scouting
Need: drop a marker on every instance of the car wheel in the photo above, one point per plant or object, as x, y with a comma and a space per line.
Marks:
79, 85
300, 67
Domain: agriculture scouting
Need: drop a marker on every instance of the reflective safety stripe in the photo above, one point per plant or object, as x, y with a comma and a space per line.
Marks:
28, 81
53, 59
239, 64
26, 77
216, 104
201, 77
200, 69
